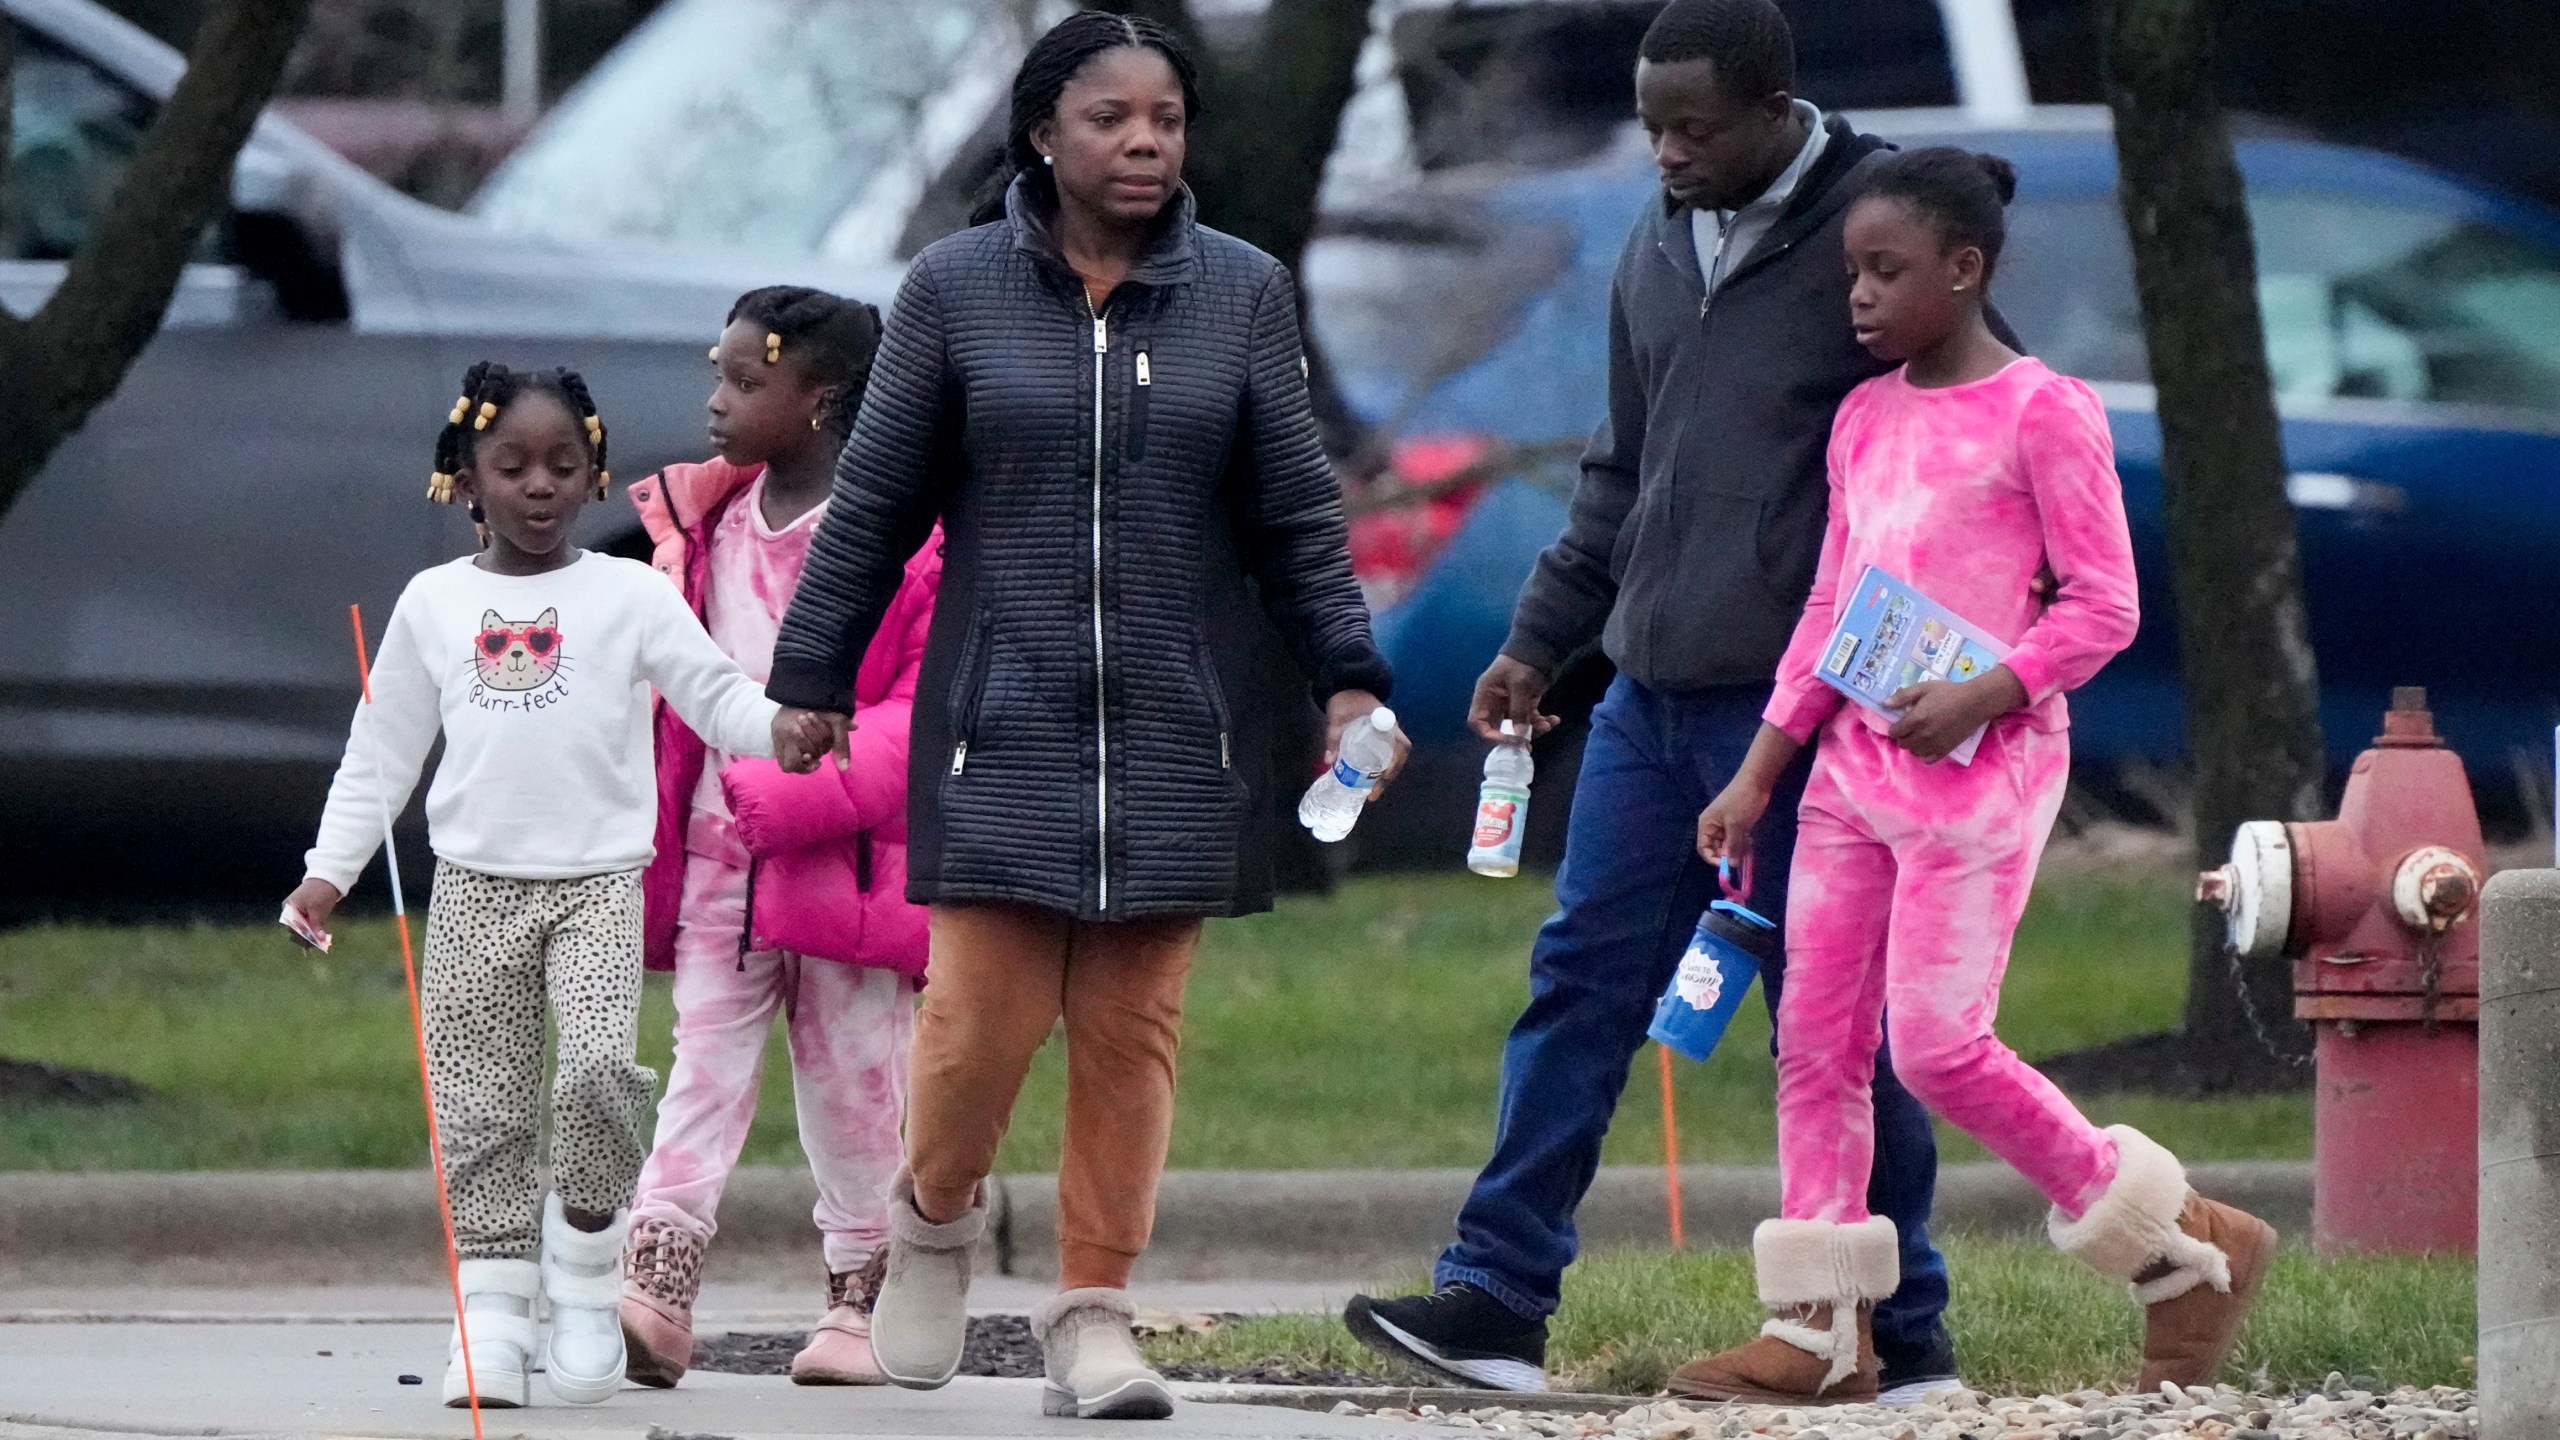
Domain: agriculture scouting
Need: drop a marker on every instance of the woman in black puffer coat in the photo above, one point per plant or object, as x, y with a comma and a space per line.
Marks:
1104, 404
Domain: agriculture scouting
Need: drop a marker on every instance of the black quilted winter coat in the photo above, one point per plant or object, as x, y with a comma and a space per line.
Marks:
1106, 484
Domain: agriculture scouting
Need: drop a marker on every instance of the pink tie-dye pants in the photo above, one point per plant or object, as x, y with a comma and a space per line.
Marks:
850, 1027
1909, 880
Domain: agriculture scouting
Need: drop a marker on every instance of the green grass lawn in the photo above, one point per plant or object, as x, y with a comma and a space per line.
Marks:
1360, 1029
2026, 1321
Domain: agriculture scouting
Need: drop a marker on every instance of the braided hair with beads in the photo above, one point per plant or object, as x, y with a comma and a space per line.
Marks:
488, 388
832, 338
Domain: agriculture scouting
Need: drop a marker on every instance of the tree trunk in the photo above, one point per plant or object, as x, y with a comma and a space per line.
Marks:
2252, 713
65, 360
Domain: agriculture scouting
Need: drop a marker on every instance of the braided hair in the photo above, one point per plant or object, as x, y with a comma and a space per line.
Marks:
833, 338
1054, 59
1959, 194
488, 388
1748, 42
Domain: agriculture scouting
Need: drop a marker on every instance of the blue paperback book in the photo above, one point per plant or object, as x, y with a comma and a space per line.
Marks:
1891, 636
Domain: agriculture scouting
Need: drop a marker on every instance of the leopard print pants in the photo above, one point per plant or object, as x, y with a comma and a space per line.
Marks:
497, 950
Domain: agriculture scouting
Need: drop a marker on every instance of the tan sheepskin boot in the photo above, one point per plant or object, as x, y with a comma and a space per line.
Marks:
1822, 1281
2194, 1264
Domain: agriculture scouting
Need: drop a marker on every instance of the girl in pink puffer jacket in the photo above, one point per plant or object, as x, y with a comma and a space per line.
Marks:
777, 892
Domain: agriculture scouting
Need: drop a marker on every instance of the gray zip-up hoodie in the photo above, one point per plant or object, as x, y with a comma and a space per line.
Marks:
1693, 535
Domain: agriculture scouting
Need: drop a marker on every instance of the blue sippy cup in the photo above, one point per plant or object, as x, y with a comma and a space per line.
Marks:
1724, 957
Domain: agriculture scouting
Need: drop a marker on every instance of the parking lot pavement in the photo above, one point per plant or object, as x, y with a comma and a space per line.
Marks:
335, 1378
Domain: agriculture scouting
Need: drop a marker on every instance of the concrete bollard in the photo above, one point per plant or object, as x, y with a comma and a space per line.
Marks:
2519, 1280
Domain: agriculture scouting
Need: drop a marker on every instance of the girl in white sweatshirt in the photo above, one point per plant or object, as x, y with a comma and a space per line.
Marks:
535, 660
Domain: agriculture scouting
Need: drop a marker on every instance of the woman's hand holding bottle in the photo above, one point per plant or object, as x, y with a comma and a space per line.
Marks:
1347, 706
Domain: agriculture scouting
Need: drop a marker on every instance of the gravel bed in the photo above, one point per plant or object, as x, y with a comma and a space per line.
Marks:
999, 1346
2336, 1411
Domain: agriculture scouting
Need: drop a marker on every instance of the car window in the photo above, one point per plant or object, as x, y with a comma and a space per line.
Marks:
2360, 299
747, 124
74, 130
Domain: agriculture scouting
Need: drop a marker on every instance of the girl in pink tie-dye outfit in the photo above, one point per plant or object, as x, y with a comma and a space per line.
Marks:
1966, 473
775, 893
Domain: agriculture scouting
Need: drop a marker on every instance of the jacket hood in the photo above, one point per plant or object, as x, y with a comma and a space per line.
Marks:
1173, 247
676, 500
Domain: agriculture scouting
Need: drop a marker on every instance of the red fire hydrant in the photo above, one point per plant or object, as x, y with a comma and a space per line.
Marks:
2378, 910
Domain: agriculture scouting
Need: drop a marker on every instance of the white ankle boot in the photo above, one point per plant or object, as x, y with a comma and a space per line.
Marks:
582, 1278
1094, 1368
920, 1323
497, 1308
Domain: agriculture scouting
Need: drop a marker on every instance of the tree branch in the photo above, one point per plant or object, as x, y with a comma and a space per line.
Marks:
75, 350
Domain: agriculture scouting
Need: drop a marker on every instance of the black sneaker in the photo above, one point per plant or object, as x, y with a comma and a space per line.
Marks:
1911, 1377
1458, 1332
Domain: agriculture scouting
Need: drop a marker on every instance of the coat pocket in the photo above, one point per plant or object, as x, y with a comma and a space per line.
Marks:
1205, 672
969, 687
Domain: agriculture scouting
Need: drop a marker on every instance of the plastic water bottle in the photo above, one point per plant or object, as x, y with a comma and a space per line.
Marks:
1502, 807
1331, 806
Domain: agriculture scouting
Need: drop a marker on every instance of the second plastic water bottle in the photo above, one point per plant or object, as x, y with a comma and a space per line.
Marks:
1331, 806
1502, 807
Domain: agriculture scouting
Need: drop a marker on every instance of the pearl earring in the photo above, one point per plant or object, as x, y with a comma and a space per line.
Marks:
1048, 159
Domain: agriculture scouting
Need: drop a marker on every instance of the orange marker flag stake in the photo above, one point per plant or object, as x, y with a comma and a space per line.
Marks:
1670, 1150
426, 1083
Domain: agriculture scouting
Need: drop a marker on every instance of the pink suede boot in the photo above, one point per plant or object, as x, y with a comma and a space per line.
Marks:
839, 1351
662, 1273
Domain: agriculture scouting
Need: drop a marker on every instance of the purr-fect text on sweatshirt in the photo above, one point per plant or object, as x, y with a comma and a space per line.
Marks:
540, 685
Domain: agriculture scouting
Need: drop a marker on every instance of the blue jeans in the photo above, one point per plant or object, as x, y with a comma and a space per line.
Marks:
1630, 892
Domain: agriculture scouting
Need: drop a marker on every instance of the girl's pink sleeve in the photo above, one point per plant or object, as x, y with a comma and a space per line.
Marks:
778, 811
1801, 702
2070, 465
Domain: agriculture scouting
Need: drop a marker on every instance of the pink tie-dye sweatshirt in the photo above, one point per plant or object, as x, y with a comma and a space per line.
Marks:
1964, 492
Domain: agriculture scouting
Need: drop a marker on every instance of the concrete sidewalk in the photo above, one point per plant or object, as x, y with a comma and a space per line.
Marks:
725, 1304
353, 1227
58, 1381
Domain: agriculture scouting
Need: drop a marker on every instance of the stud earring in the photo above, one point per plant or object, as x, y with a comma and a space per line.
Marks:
1048, 159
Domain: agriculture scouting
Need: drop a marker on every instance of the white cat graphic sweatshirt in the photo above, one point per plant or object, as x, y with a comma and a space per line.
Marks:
541, 685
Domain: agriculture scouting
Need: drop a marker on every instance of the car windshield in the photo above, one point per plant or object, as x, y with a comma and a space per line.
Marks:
2361, 299
748, 124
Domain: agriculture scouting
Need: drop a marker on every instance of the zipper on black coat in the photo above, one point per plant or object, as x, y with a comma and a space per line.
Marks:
1139, 389
1101, 318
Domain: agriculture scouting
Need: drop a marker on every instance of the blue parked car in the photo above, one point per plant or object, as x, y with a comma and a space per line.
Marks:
2413, 325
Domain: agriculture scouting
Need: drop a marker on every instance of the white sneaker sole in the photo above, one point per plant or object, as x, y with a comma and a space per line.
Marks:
1903, 1397
1517, 1376
1141, 1398
500, 1389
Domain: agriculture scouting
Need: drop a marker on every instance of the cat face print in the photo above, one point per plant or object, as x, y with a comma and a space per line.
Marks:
516, 654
